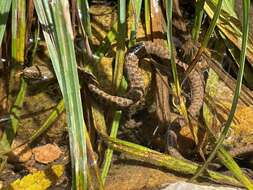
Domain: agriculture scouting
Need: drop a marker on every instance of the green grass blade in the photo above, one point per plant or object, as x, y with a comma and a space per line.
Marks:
147, 19
49, 121
229, 25
9, 134
117, 77
84, 15
16, 110
182, 107
119, 62
59, 37
199, 11
206, 37
170, 44
36, 41
64, 42
246, 5
164, 160
212, 24
109, 151
17, 55
136, 7
59, 108
4, 12
45, 19
223, 155
18, 28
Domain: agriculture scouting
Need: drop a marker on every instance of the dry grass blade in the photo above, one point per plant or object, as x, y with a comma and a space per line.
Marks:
220, 140
228, 24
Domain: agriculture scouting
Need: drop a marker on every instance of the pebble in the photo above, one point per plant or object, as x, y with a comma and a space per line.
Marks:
187, 186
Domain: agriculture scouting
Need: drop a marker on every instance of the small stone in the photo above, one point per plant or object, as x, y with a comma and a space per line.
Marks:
46, 153
185, 186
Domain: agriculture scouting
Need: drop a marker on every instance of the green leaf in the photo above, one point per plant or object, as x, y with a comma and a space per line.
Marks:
84, 16
55, 18
4, 12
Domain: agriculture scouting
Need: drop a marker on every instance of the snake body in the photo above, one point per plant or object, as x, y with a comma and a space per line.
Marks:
108, 99
136, 82
134, 97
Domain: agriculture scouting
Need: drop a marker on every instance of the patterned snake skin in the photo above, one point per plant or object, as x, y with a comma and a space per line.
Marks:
134, 98
136, 89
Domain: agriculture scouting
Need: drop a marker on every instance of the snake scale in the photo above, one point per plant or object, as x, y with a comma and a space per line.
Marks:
134, 97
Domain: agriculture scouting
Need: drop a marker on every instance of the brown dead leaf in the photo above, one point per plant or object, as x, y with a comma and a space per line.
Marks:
46, 153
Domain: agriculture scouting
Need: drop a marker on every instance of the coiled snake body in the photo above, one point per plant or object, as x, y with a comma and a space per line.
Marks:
134, 97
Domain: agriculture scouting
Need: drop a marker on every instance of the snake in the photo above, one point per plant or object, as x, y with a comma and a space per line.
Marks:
155, 50
134, 97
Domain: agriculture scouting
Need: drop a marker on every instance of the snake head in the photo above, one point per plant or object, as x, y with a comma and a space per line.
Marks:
88, 76
138, 50
38, 72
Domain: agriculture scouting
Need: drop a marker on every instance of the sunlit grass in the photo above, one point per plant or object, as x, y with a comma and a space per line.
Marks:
246, 5
54, 17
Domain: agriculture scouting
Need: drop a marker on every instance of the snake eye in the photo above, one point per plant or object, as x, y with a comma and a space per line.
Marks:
138, 49
30, 73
